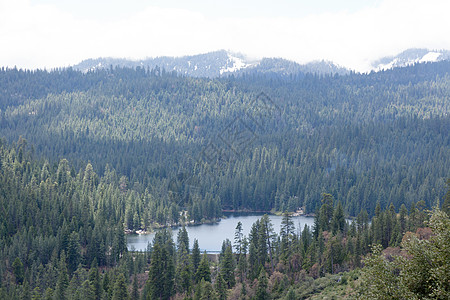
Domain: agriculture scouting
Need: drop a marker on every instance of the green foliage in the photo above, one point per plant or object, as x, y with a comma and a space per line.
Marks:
338, 220
350, 135
195, 256
203, 271
446, 204
208, 292
422, 274
261, 290
18, 270
162, 273
290, 295
120, 289
221, 287
227, 267
102, 149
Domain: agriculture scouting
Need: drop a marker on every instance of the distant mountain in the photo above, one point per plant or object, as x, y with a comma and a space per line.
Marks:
215, 64
410, 57
210, 64
287, 67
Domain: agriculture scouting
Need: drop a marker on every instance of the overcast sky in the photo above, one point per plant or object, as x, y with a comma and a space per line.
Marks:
53, 33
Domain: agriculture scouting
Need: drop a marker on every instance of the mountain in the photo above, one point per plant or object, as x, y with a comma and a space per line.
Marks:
410, 57
287, 67
243, 142
210, 64
215, 64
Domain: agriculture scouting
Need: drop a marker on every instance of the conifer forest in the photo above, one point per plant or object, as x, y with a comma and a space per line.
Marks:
87, 158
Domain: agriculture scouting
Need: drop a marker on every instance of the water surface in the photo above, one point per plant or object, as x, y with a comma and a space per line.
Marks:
211, 236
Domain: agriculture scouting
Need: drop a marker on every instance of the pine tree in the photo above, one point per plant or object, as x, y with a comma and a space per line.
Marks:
183, 241
106, 286
203, 271
94, 279
18, 270
221, 288
227, 267
338, 221
63, 279
422, 275
326, 212
266, 236
208, 292
73, 252
446, 204
87, 291
184, 272
261, 289
291, 295
287, 232
26, 294
135, 291
120, 288
196, 257
402, 218
243, 264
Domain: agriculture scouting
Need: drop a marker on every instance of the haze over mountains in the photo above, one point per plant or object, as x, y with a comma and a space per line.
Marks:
224, 63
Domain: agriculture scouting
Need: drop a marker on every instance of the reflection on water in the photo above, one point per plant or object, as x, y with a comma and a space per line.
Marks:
211, 236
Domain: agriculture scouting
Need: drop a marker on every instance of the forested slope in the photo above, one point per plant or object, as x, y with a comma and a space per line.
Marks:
253, 142
86, 156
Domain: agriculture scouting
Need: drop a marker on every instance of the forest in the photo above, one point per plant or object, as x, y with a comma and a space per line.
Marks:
254, 142
89, 157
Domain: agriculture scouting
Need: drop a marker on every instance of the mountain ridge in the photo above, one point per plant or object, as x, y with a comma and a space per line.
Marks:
226, 63
216, 64
409, 57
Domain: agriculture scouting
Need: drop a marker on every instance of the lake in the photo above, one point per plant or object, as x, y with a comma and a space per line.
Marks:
211, 236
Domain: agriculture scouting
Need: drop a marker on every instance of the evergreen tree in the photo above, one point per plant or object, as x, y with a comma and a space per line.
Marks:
227, 267
287, 233
26, 294
73, 252
326, 212
291, 295
18, 270
338, 221
446, 204
207, 291
266, 237
120, 288
242, 263
94, 279
184, 272
203, 271
87, 291
63, 279
261, 289
135, 291
155, 274
161, 274
196, 257
422, 275
183, 241
221, 287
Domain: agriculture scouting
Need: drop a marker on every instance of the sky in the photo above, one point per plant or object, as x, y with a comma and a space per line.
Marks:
353, 33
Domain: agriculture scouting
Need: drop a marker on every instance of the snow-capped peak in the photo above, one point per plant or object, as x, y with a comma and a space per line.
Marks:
409, 57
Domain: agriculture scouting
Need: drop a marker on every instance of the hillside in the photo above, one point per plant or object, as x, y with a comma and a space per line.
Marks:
255, 142
215, 64
87, 157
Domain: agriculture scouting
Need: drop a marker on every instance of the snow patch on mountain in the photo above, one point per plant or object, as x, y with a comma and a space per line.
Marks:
234, 64
430, 57
410, 57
